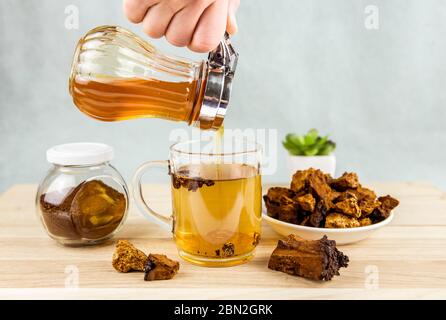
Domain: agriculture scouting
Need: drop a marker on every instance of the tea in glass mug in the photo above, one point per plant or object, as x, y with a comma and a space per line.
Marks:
216, 200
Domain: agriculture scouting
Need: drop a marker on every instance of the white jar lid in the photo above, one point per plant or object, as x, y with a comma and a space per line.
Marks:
79, 154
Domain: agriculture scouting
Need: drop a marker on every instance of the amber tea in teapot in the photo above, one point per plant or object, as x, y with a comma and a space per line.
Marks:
143, 98
116, 75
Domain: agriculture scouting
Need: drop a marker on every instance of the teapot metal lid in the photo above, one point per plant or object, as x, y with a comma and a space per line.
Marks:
221, 66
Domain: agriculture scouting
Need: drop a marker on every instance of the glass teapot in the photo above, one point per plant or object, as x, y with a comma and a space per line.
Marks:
116, 75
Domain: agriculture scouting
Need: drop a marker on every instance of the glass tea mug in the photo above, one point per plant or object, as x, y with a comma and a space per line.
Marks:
216, 201
116, 75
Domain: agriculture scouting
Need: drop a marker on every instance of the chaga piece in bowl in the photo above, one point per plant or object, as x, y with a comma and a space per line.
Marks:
317, 204
306, 202
312, 181
382, 212
349, 180
314, 195
348, 207
337, 220
312, 259
281, 204
318, 186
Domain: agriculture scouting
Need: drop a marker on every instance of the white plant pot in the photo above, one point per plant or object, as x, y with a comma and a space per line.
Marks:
326, 164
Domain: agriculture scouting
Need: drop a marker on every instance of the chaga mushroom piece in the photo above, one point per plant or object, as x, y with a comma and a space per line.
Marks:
276, 194
314, 181
306, 202
299, 180
365, 222
337, 220
349, 180
317, 182
335, 195
388, 203
280, 204
312, 259
367, 203
181, 179
367, 206
313, 195
345, 195
160, 267
364, 194
127, 258
349, 207
317, 218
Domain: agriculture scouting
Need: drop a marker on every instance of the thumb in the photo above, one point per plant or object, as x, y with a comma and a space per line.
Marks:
231, 25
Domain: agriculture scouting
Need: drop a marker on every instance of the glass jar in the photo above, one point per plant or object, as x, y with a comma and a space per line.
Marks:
116, 75
83, 199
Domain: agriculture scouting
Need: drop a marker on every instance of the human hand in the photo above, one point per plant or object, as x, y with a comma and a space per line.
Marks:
197, 24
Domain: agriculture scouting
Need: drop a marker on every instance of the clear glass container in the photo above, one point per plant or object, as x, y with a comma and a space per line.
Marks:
216, 195
116, 75
83, 199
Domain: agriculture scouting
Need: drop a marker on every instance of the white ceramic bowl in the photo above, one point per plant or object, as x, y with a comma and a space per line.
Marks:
341, 236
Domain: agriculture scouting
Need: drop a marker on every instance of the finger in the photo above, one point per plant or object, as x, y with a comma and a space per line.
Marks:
182, 26
157, 19
135, 10
231, 25
211, 27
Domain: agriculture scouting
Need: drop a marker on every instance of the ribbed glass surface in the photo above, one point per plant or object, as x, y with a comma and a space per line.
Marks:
110, 51
117, 76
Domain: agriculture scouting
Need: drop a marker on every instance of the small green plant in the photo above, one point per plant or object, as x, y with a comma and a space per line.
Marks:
310, 144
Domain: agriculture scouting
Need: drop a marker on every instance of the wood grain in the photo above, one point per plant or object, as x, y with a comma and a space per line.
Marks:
407, 258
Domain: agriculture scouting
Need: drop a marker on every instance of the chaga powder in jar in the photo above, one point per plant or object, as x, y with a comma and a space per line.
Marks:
83, 199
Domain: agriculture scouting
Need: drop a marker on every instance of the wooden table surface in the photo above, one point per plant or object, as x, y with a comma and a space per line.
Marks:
406, 259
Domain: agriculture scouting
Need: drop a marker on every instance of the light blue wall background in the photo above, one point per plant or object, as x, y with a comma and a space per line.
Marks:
303, 63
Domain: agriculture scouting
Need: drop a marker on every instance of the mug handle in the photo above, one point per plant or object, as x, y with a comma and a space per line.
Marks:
144, 208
